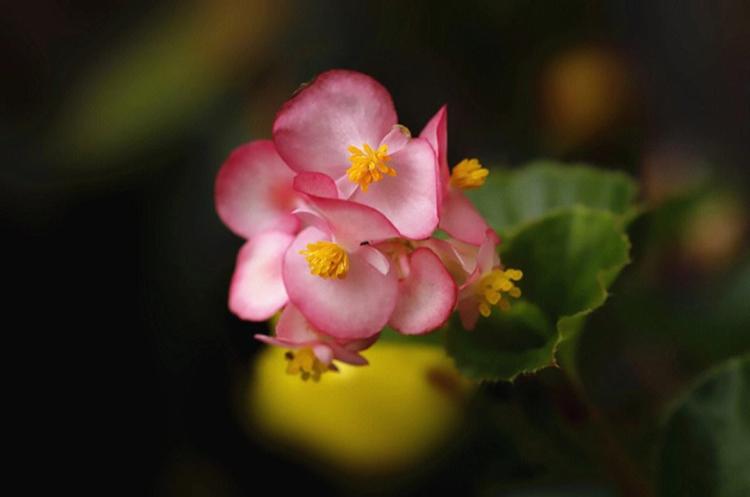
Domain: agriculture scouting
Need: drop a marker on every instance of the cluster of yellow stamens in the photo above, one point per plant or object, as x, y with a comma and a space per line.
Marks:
305, 363
468, 174
493, 285
326, 259
368, 165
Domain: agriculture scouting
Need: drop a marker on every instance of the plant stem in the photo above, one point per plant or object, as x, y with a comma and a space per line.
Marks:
614, 458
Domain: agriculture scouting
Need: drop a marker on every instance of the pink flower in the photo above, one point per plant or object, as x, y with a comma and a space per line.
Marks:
338, 211
458, 216
255, 198
332, 271
488, 284
344, 125
314, 352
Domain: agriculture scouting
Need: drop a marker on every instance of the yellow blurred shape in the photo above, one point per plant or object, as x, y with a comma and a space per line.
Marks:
370, 419
714, 234
584, 90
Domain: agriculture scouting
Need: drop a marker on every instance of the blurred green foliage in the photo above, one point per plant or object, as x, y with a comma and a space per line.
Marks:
705, 451
677, 311
163, 78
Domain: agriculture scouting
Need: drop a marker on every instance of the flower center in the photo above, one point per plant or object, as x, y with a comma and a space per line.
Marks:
492, 286
305, 363
468, 174
368, 165
326, 259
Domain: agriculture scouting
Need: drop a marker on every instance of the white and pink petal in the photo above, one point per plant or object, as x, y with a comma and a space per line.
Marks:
317, 184
351, 223
257, 289
436, 133
409, 199
427, 295
340, 108
292, 327
460, 219
253, 191
356, 306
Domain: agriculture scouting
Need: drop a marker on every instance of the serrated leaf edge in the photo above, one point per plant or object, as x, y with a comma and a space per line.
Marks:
603, 293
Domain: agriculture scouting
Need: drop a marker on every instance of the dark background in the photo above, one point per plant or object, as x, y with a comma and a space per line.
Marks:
120, 268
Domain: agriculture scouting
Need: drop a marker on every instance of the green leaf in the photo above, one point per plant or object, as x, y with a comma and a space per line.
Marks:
511, 199
504, 345
569, 258
706, 449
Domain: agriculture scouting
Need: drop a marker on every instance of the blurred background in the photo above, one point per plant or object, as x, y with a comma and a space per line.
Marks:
116, 117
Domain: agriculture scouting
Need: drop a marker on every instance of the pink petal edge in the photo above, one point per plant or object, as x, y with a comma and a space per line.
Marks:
460, 219
426, 297
357, 306
340, 108
317, 184
409, 199
351, 223
257, 289
253, 191
436, 133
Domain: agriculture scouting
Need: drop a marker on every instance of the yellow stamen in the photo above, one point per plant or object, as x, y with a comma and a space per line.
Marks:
326, 259
305, 363
368, 165
493, 285
468, 174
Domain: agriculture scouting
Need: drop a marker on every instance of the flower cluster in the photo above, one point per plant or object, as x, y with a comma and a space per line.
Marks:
339, 211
